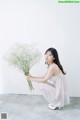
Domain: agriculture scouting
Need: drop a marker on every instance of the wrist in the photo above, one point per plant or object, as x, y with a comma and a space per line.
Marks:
29, 78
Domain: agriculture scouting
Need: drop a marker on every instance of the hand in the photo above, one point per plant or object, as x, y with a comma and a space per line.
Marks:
28, 77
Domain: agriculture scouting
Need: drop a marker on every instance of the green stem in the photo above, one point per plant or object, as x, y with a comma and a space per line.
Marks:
29, 83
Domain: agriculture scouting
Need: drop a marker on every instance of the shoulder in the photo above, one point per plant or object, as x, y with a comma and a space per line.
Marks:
53, 66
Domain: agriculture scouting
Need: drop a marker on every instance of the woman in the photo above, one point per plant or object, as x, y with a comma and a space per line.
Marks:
53, 84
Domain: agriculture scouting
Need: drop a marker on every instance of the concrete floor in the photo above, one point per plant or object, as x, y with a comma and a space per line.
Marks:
34, 107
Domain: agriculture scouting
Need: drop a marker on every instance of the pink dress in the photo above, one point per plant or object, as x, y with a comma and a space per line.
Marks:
55, 90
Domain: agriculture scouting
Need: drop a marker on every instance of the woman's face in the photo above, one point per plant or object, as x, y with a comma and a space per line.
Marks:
49, 57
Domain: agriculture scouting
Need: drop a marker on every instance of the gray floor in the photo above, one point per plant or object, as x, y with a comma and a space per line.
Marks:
33, 107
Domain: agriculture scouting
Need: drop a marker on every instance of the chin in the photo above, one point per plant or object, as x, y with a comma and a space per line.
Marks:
46, 62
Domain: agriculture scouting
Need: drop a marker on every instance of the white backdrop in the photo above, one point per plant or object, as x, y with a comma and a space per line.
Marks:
46, 23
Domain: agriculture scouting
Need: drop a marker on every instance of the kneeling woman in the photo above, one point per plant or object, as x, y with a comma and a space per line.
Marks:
53, 84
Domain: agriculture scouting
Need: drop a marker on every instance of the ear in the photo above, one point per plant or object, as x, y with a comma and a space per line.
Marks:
53, 58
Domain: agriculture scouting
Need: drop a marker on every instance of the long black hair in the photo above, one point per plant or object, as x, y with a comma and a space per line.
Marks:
56, 60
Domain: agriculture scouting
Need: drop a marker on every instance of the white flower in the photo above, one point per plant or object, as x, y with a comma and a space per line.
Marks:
23, 56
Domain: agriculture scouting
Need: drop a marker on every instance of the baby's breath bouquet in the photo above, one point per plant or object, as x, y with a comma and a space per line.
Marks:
24, 56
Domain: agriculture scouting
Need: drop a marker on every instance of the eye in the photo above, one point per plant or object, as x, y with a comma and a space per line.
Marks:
50, 55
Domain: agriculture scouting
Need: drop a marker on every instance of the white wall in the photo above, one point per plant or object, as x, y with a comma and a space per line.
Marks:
68, 24
47, 23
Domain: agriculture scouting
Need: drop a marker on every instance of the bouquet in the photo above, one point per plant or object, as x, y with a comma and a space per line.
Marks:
24, 56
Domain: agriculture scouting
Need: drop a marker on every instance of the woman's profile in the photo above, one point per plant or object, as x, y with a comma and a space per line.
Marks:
53, 84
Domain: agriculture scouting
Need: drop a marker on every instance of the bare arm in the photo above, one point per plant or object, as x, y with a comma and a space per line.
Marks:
43, 79
36, 77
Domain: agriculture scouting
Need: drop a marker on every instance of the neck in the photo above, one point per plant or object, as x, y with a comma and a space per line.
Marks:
50, 63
